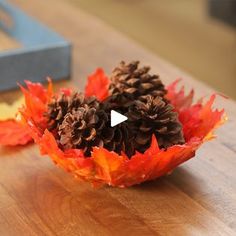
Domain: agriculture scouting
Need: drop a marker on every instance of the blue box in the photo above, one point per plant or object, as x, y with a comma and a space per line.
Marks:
43, 52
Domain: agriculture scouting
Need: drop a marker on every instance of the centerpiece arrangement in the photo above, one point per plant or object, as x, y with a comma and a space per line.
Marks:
163, 130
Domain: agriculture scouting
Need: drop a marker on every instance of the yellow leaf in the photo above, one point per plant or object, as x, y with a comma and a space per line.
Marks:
9, 111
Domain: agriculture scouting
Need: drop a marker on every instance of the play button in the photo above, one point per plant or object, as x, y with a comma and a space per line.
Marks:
117, 118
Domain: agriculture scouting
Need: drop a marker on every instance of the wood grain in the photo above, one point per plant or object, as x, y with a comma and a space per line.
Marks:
37, 198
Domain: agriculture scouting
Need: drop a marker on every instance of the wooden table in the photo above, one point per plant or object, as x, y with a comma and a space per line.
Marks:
37, 198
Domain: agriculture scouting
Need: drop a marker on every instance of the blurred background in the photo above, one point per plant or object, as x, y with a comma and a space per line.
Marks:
198, 36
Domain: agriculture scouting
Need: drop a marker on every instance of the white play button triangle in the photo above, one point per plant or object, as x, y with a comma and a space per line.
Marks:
117, 118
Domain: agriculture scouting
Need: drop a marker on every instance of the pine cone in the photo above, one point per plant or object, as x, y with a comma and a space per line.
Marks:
129, 82
60, 106
80, 128
56, 111
89, 126
153, 115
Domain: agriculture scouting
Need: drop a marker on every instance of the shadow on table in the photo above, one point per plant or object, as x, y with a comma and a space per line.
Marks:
180, 177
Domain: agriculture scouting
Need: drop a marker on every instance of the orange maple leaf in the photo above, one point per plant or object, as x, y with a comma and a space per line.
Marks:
97, 85
14, 132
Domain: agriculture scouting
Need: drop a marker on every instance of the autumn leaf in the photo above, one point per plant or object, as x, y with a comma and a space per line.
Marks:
13, 133
97, 85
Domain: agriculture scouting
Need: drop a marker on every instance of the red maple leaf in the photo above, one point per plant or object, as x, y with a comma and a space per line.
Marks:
14, 133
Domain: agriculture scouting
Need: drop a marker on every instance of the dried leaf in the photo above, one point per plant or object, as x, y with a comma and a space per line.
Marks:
178, 98
36, 99
97, 85
14, 133
107, 164
198, 119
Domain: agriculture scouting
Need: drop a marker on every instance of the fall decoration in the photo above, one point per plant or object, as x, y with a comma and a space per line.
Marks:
13, 133
153, 115
129, 82
98, 84
88, 127
82, 124
60, 105
57, 109
164, 129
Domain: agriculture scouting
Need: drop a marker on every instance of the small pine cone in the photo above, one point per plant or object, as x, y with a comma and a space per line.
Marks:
81, 128
89, 126
56, 111
129, 82
119, 138
61, 105
153, 115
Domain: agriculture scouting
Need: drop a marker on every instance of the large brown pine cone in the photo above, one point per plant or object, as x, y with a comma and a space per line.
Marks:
153, 115
129, 82
89, 126
61, 105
